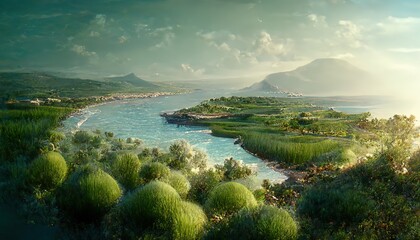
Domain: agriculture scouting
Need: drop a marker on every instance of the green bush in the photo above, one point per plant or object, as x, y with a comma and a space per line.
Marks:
228, 198
180, 183
275, 223
190, 223
152, 206
126, 170
203, 183
88, 194
264, 222
47, 171
154, 171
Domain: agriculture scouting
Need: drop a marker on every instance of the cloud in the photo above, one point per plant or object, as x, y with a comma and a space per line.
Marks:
264, 45
81, 50
317, 20
404, 50
94, 34
122, 39
344, 56
100, 20
187, 68
350, 32
394, 25
165, 34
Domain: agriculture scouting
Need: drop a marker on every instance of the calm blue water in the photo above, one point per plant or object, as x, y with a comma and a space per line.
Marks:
140, 118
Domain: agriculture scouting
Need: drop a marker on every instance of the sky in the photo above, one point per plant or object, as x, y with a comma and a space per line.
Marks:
207, 39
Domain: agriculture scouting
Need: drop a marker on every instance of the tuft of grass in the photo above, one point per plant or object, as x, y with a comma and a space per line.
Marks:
152, 206
228, 198
291, 150
47, 171
88, 194
180, 183
154, 171
126, 170
189, 224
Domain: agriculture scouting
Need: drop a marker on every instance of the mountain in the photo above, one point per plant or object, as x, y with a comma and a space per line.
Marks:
41, 84
132, 79
327, 76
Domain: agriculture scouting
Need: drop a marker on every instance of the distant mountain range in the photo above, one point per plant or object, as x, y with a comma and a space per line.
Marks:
327, 76
39, 84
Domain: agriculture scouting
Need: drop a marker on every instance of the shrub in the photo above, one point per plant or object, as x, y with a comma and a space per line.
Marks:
275, 223
154, 171
264, 222
229, 197
88, 194
190, 223
126, 170
180, 183
203, 183
152, 206
48, 171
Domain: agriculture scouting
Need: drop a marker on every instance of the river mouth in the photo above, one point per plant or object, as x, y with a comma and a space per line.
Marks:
140, 118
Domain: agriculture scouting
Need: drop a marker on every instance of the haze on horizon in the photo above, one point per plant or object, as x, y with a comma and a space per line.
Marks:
211, 39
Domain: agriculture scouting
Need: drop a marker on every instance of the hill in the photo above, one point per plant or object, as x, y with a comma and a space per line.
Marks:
131, 79
320, 77
39, 84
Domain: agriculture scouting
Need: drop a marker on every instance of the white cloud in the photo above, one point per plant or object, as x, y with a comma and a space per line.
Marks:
100, 20
94, 34
264, 45
122, 39
394, 25
82, 51
350, 32
187, 68
165, 34
317, 20
344, 56
404, 50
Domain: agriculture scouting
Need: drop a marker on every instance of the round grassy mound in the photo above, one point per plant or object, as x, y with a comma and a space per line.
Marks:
264, 222
189, 224
275, 223
180, 183
88, 194
154, 171
47, 171
126, 170
152, 206
229, 198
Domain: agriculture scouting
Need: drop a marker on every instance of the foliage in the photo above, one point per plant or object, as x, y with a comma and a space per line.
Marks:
233, 169
47, 171
264, 222
126, 170
228, 198
88, 194
190, 223
185, 158
202, 183
25, 129
154, 171
288, 150
180, 183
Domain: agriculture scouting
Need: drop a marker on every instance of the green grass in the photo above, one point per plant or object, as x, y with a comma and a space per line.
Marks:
24, 130
88, 194
154, 171
179, 182
228, 198
126, 170
291, 150
47, 171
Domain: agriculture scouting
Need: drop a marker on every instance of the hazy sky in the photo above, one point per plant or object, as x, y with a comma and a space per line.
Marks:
193, 39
